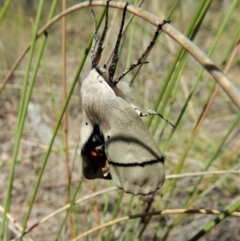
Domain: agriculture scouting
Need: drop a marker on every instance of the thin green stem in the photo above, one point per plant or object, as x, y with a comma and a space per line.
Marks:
20, 123
216, 221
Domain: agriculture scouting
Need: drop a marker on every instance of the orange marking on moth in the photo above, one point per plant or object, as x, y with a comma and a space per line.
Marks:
105, 168
94, 154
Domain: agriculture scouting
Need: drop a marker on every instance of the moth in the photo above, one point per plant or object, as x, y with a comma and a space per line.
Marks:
115, 143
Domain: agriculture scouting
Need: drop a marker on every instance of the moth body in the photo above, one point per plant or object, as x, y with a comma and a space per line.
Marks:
132, 157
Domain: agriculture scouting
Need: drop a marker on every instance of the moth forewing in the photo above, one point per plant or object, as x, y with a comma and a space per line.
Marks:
135, 162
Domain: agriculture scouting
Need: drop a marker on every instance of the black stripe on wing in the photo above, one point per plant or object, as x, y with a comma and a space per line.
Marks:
134, 164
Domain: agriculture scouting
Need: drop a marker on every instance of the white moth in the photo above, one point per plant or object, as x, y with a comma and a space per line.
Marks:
115, 142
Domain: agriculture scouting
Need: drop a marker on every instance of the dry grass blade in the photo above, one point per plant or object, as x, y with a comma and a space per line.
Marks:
164, 212
16, 225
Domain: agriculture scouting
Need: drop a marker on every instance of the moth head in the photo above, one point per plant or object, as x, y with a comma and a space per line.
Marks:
103, 72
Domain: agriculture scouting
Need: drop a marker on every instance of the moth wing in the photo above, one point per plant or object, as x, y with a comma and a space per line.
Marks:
86, 129
91, 168
135, 161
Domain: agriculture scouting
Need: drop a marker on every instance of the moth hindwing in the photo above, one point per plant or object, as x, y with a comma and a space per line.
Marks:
114, 140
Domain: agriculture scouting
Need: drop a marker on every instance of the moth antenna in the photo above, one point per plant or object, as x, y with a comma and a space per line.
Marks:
95, 37
112, 67
139, 61
152, 112
97, 56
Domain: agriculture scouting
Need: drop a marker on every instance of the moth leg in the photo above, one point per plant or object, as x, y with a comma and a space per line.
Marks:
153, 112
150, 112
112, 67
105, 169
98, 153
100, 150
136, 109
142, 57
95, 58
95, 37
